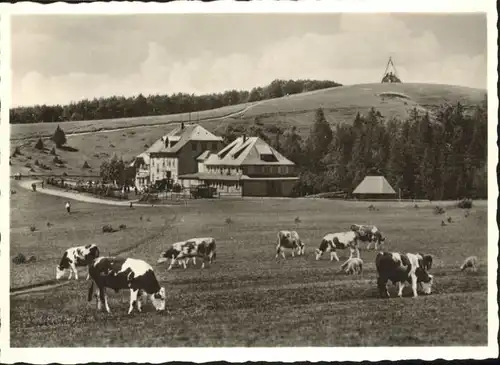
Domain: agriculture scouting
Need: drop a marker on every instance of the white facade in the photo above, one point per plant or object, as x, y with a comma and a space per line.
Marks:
162, 167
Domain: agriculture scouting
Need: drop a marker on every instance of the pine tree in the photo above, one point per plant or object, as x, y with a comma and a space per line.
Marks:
59, 137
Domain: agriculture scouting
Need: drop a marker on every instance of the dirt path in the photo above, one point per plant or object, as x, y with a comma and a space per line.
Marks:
26, 184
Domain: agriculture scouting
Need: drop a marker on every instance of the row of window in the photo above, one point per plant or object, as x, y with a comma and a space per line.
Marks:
164, 162
269, 170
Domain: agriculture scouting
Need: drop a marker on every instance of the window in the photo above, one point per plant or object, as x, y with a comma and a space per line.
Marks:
194, 146
203, 146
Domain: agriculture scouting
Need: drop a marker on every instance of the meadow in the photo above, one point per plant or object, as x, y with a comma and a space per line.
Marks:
95, 141
247, 297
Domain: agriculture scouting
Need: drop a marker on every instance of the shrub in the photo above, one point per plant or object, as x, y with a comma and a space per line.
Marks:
27, 164
17, 151
122, 226
465, 203
438, 210
229, 220
107, 229
39, 144
32, 259
86, 165
57, 160
53, 151
19, 259
37, 163
32, 228
297, 220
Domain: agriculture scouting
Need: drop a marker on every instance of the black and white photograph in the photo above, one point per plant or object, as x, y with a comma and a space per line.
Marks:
278, 180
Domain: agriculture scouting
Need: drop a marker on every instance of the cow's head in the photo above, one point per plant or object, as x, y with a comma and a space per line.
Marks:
321, 249
425, 280
59, 273
158, 299
354, 227
169, 254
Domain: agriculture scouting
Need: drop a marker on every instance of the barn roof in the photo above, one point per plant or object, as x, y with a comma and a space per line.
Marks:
374, 185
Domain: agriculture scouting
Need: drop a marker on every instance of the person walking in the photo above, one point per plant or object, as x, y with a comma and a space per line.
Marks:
68, 207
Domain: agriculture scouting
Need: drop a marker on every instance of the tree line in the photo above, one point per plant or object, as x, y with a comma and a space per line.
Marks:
438, 158
140, 105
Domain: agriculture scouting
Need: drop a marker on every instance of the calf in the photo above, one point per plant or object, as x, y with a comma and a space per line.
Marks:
470, 262
192, 248
125, 273
76, 257
332, 242
352, 266
402, 268
289, 240
370, 234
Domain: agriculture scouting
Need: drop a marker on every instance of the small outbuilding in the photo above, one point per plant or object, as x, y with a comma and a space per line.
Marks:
374, 187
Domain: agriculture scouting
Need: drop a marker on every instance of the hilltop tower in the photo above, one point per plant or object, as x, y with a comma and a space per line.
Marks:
390, 74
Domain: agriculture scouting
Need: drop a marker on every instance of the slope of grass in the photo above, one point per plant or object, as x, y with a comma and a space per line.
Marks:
247, 298
340, 105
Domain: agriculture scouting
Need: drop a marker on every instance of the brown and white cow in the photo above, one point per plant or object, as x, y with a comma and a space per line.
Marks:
370, 234
402, 268
352, 266
289, 240
76, 257
332, 242
119, 273
470, 262
191, 248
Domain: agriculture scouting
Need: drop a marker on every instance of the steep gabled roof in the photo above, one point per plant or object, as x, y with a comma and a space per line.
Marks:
193, 132
374, 185
190, 132
248, 151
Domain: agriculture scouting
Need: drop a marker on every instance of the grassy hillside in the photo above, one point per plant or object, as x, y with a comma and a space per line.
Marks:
98, 140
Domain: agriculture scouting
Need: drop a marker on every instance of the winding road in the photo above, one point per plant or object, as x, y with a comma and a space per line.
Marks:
73, 195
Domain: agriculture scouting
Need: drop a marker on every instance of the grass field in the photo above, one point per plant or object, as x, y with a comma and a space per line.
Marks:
246, 298
340, 105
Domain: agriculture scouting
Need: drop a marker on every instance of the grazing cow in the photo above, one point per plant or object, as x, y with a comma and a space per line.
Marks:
125, 273
332, 242
289, 240
402, 268
172, 253
470, 262
352, 266
370, 234
74, 257
192, 248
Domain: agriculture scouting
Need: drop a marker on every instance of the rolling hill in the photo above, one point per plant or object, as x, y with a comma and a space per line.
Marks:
95, 141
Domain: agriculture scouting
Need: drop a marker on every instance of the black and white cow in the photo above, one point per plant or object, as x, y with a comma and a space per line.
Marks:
192, 248
289, 240
402, 268
76, 257
370, 234
332, 242
352, 266
119, 273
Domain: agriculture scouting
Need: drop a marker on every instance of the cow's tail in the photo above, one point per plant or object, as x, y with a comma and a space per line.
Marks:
91, 291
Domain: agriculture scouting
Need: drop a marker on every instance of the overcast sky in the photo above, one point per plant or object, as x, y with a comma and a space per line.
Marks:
60, 58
